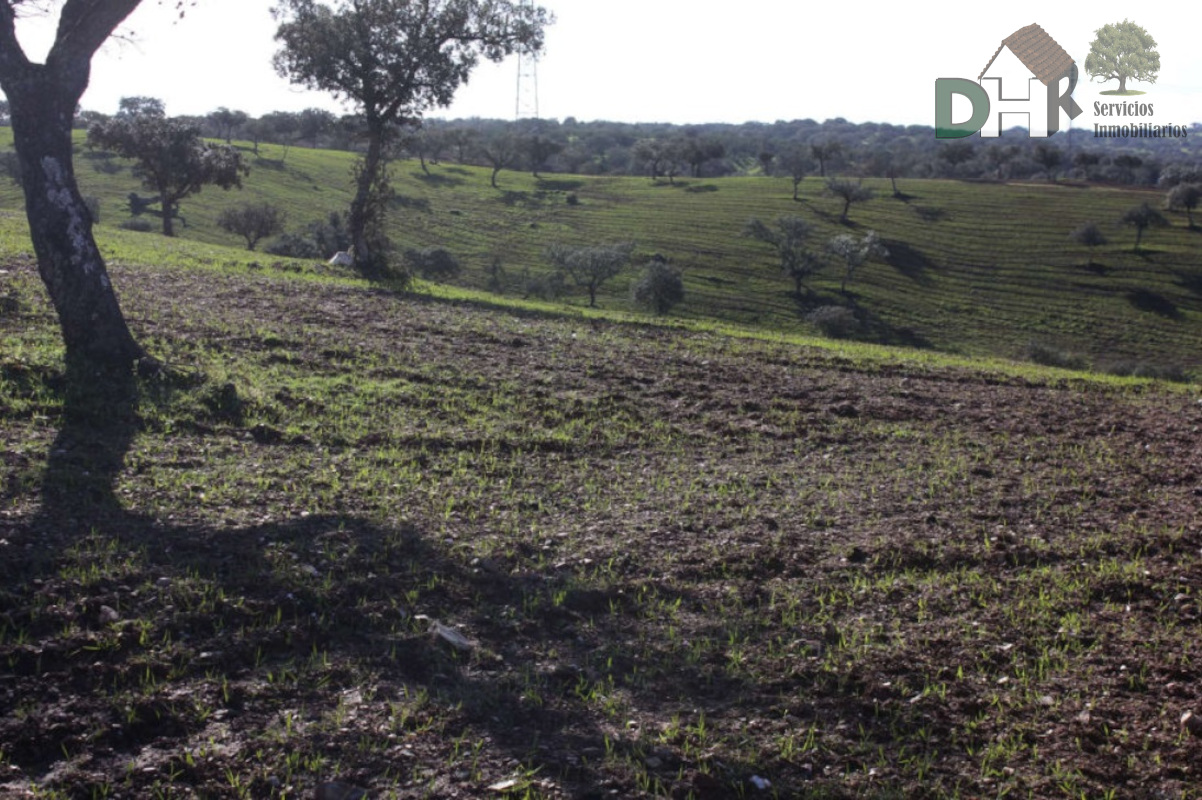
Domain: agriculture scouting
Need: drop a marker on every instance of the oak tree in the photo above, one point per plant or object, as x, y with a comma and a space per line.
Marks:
172, 158
789, 236
591, 266
393, 60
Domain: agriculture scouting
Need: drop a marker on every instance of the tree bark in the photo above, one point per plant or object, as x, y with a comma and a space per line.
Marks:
361, 211
42, 99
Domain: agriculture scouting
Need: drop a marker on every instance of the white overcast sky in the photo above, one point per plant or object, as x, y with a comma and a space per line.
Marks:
679, 61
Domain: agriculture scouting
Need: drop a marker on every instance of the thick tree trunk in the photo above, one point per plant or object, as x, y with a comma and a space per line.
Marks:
60, 224
42, 100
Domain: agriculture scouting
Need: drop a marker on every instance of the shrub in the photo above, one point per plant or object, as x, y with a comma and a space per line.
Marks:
837, 322
139, 224
545, 287
1048, 356
319, 239
432, 263
572, 199
658, 288
252, 221
1174, 373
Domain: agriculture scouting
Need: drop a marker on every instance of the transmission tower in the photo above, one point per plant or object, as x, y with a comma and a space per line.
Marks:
526, 106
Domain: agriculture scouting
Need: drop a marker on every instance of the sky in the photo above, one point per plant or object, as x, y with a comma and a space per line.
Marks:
664, 60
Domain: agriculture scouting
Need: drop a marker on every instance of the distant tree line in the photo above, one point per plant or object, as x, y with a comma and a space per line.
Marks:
661, 151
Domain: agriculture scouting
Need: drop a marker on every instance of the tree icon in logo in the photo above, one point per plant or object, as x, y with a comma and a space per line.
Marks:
1121, 51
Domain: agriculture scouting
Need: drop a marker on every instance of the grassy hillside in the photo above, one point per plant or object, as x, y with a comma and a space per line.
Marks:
434, 549
978, 269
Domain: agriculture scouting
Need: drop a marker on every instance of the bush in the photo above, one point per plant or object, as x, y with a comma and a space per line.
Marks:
138, 224
319, 239
1174, 373
837, 322
543, 287
572, 199
658, 288
1040, 353
432, 263
252, 221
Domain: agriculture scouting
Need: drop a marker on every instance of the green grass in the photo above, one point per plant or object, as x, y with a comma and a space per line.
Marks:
976, 269
684, 560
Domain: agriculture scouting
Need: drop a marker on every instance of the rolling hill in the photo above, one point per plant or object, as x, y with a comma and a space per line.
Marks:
978, 269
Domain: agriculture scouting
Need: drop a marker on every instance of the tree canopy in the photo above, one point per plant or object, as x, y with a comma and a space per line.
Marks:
172, 158
394, 60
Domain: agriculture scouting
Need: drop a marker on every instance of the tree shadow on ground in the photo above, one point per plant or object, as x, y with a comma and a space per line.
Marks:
316, 635
437, 178
909, 261
1190, 281
1154, 303
931, 213
559, 184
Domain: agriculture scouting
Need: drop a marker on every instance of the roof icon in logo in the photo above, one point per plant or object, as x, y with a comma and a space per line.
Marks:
1037, 51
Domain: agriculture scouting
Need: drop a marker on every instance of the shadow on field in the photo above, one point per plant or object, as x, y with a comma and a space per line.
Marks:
295, 616
909, 261
931, 213
1153, 303
559, 184
1190, 281
437, 179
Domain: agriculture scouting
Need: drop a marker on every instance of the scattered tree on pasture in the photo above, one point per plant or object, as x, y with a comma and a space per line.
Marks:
789, 236
173, 160
394, 60
590, 266
855, 251
1186, 196
796, 163
1142, 217
252, 221
850, 192
1089, 235
501, 151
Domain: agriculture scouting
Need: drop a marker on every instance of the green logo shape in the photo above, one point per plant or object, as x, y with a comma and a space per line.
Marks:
945, 89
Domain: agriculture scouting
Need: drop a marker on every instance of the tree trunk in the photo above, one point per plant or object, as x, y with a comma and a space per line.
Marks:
1122, 83
60, 225
168, 212
361, 210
